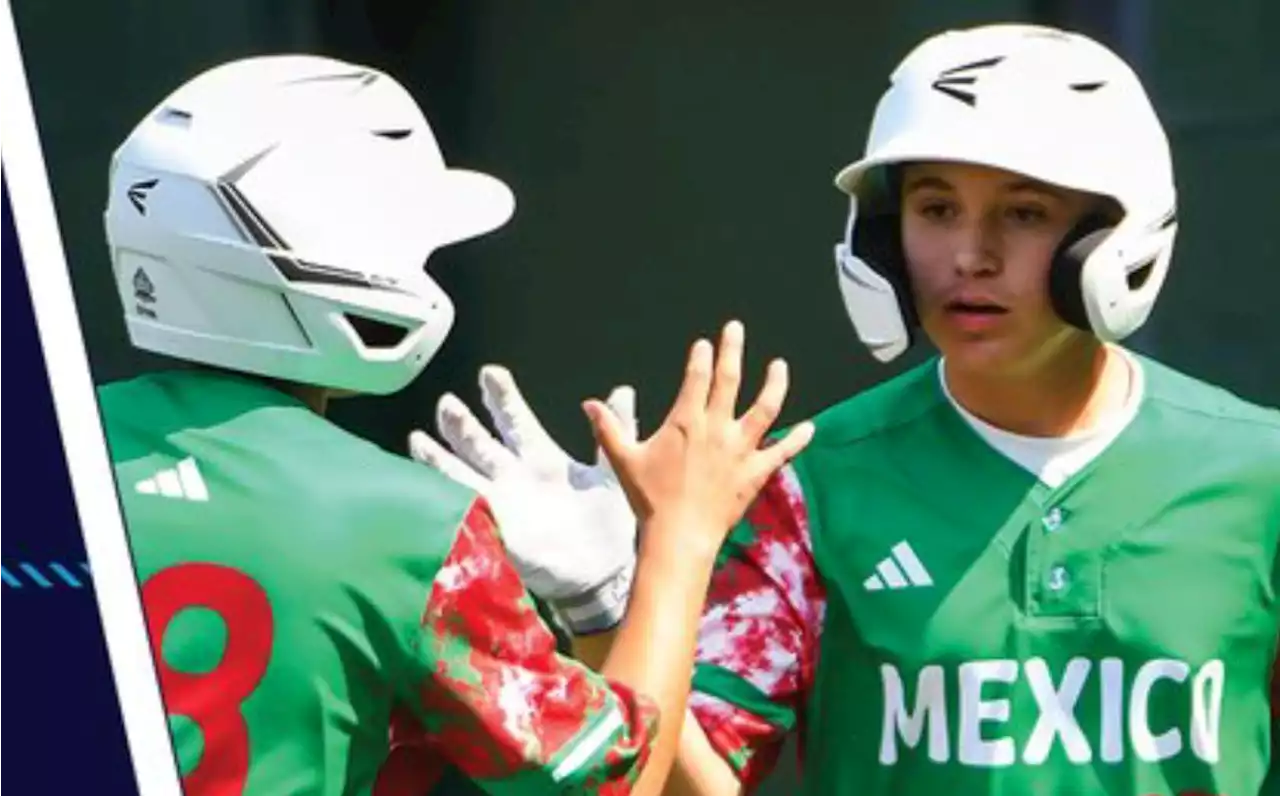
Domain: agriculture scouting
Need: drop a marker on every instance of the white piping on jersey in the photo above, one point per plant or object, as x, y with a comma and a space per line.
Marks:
1055, 459
589, 745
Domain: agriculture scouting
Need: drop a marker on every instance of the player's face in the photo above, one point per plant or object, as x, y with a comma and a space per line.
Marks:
978, 244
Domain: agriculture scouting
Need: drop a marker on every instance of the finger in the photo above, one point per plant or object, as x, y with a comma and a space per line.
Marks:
423, 448
622, 403
516, 423
608, 432
768, 404
691, 401
727, 377
769, 459
470, 440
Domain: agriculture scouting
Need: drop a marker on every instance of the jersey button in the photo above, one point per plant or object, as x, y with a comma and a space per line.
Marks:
1053, 520
1059, 579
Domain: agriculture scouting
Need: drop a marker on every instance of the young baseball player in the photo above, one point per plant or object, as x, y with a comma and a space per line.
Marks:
327, 617
1040, 563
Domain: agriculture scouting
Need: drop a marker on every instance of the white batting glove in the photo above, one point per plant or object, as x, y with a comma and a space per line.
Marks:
567, 525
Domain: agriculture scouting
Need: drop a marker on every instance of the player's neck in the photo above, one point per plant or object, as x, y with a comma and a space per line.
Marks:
316, 398
1071, 394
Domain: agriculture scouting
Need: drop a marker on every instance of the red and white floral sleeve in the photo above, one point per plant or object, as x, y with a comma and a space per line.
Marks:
758, 642
498, 702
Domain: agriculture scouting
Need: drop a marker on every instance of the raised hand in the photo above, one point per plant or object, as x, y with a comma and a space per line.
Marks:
702, 467
566, 524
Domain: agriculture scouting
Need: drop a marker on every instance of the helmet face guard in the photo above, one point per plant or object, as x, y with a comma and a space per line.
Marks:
1053, 106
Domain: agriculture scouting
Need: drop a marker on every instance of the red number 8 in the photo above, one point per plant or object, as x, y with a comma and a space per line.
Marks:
212, 701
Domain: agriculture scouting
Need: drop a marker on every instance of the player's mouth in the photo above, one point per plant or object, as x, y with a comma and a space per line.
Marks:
974, 314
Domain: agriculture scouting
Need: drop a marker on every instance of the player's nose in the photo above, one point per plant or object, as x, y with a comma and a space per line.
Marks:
976, 251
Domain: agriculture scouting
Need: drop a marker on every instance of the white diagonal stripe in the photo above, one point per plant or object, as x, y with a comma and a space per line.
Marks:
873, 583
891, 574
588, 745
192, 483
147, 486
915, 570
169, 484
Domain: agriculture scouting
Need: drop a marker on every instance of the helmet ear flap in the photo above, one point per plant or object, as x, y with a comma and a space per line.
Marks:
877, 241
876, 238
1066, 287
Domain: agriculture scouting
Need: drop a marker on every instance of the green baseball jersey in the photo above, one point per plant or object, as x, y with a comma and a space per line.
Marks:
328, 618
930, 617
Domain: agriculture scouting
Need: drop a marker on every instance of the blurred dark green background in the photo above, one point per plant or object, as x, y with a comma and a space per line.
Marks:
672, 164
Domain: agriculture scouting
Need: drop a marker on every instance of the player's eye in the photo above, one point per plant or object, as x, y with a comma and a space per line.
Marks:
938, 210
1027, 214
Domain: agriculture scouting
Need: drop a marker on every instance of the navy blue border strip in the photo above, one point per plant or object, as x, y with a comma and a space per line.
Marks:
71, 737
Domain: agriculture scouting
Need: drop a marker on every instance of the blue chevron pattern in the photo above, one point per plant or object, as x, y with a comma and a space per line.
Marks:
52, 575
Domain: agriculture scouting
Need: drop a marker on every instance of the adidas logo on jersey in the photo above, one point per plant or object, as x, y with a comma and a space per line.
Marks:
182, 482
901, 570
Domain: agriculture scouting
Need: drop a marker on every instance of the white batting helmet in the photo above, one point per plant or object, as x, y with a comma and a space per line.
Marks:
1051, 105
274, 215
